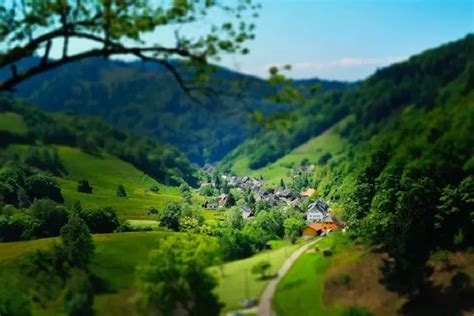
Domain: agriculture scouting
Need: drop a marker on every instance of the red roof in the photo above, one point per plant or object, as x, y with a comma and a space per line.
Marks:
315, 226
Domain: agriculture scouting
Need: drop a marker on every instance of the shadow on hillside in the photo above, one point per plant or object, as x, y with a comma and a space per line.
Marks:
292, 284
453, 300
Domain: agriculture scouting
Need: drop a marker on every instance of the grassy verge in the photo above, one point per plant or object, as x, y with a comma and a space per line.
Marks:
236, 282
328, 142
300, 292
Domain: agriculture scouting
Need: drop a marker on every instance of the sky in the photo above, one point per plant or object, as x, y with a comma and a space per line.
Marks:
342, 39
349, 40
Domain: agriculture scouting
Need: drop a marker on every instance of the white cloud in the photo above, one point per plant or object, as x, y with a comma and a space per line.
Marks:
346, 62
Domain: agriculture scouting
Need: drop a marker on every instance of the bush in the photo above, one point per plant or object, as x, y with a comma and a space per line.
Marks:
43, 186
152, 211
79, 295
47, 218
102, 220
84, 186
121, 191
357, 311
14, 227
13, 301
155, 188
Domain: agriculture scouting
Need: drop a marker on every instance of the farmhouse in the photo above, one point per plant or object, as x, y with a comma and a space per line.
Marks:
314, 229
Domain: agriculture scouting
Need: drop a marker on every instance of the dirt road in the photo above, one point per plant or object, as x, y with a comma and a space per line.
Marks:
265, 303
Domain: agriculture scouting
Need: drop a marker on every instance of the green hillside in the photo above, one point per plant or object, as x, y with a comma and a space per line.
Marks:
13, 123
110, 264
105, 173
400, 170
146, 98
310, 152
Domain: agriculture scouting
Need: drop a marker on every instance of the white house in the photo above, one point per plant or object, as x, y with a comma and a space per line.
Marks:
314, 216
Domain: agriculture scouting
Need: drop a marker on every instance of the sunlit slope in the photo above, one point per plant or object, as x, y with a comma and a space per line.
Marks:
328, 142
13, 123
105, 173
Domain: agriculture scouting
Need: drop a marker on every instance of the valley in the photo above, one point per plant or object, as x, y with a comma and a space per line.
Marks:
128, 189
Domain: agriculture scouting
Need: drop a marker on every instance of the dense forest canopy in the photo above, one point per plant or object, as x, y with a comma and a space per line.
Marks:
405, 179
92, 135
143, 97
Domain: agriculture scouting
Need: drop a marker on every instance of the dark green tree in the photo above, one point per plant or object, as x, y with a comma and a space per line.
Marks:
282, 184
230, 200
23, 199
409, 241
43, 186
175, 276
79, 294
293, 228
84, 186
47, 218
170, 216
121, 191
77, 242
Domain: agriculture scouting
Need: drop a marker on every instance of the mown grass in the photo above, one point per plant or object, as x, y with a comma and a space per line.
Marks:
300, 292
144, 223
328, 142
105, 173
236, 282
13, 123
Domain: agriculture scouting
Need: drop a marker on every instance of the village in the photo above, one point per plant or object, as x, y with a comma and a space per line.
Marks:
319, 217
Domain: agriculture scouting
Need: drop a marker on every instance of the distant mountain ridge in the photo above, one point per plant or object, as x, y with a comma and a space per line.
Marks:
145, 98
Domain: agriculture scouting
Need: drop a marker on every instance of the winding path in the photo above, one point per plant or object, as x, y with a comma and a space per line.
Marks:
265, 303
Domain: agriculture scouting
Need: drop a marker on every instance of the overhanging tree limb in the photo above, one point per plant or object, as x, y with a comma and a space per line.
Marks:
115, 25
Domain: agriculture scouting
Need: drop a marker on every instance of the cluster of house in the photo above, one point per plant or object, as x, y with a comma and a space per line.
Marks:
320, 219
318, 214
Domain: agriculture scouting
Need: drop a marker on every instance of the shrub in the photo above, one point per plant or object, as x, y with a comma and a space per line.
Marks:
79, 295
43, 186
101, 220
357, 311
155, 188
121, 191
84, 186
47, 218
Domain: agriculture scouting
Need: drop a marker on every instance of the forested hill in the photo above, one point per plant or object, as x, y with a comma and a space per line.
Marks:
145, 98
402, 171
421, 83
23, 124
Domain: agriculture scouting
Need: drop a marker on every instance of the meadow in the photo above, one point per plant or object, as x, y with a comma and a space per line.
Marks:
237, 283
105, 173
328, 142
307, 276
12, 123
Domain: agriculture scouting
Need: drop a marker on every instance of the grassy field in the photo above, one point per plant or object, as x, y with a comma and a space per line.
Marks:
300, 292
117, 256
105, 173
13, 123
236, 282
327, 142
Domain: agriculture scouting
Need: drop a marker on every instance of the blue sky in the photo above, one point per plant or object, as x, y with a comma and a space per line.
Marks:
348, 40
341, 39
